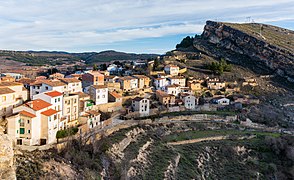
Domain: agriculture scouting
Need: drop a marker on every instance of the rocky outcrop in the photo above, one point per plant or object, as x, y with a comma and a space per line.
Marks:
276, 58
7, 170
116, 151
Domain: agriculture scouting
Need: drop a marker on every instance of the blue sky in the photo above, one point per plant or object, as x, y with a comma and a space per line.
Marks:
141, 26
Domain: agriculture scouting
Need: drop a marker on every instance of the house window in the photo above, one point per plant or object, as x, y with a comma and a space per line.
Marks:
28, 121
55, 100
58, 99
75, 100
46, 88
22, 130
3, 98
29, 131
98, 97
68, 110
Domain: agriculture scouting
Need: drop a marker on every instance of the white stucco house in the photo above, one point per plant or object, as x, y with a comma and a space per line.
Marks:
141, 105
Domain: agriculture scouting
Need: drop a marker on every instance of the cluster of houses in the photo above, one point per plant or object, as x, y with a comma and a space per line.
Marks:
36, 109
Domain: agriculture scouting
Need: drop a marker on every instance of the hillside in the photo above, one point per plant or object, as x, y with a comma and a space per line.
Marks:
167, 151
106, 56
270, 52
58, 58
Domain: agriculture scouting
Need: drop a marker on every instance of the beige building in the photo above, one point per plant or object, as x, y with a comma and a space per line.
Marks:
73, 85
12, 94
128, 83
70, 109
34, 123
56, 76
215, 84
92, 78
194, 85
172, 69
165, 99
143, 81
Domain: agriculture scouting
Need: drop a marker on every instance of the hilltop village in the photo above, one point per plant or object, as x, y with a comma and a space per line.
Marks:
40, 110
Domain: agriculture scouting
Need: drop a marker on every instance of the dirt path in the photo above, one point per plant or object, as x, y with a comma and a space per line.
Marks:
214, 138
191, 141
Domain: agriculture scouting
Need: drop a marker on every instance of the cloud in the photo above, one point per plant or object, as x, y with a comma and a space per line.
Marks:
74, 25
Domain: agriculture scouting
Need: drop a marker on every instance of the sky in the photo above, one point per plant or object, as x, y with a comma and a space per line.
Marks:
140, 26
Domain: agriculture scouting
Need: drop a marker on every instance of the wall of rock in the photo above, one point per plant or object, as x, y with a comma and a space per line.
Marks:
277, 59
7, 170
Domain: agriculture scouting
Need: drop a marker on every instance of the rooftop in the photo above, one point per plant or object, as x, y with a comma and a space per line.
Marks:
5, 90
99, 86
127, 78
10, 84
54, 83
27, 114
49, 112
115, 94
140, 76
70, 80
37, 104
138, 98
54, 93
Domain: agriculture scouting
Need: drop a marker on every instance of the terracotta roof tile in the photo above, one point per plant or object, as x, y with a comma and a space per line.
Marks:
54, 93
54, 83
99, 86
115, 94
37, 104
10, 84
25, 113
49, 112
70, 80
5, 90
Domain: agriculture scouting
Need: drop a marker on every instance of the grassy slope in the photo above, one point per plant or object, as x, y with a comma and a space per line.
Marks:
280, 37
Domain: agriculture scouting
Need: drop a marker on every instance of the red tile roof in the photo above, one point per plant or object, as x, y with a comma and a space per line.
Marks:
25, 113
37, 104
49, 112
115, 94
6, 90
54, 93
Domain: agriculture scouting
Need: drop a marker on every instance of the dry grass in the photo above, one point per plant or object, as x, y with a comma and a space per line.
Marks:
280, 37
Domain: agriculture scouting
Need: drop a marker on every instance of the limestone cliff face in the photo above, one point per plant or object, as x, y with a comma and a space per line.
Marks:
278, 59
7, 170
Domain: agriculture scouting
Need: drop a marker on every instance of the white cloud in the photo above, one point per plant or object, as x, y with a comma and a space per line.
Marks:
70, 24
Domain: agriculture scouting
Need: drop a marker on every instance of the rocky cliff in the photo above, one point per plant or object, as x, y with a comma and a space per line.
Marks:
266, 46
7, 170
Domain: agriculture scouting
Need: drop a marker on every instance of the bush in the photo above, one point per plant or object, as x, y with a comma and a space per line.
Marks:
186, 42
66, 132
219, 67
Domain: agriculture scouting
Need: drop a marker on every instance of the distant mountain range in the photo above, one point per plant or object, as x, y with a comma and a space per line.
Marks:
59, 57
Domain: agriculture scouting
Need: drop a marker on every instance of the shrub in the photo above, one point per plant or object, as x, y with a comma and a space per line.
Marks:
66, 132
219, 67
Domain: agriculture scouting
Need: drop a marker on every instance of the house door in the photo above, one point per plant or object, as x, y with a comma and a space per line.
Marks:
43, 142
19, 142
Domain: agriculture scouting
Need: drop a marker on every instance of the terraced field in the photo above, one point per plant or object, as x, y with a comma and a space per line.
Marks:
175, 151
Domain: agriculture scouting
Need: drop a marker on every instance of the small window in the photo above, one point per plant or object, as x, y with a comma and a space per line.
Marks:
29, 131
28, 121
